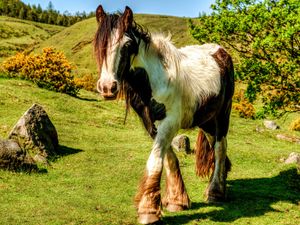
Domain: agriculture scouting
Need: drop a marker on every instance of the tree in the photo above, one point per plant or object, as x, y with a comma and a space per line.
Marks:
266, 36
22, 13
50, 7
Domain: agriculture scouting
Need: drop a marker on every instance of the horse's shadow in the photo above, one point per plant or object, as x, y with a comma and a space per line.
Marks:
247, 198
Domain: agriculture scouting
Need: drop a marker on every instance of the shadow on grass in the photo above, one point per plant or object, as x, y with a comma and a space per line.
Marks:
87, 99
65, 151
248, 198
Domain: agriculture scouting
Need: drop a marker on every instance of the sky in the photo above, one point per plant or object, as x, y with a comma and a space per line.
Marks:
186, 8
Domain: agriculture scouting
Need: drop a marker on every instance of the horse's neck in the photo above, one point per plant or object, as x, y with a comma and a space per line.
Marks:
157, 60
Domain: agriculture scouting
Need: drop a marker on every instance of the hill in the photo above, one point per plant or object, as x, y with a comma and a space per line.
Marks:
18, 35
95, 178
76, 41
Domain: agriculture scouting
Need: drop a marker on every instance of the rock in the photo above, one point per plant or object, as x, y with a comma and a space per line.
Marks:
35, 133
181, 143
270, 124
259, 129
288, 138
293, 158
12, 157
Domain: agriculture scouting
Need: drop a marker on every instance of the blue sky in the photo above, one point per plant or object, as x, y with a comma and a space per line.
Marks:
187, 8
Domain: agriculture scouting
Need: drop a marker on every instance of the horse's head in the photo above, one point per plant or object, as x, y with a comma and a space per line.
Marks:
114, 45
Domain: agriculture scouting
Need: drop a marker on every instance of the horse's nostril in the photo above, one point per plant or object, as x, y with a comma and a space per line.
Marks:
104, 89
114, 87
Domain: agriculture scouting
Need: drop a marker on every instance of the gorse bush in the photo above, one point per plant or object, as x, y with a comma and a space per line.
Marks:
50, 70
87, 82
295, 125
242, 105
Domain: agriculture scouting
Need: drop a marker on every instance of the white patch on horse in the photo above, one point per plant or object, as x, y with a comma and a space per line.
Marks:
190, 74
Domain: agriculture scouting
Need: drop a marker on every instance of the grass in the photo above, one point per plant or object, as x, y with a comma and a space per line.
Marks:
18, 35
95, 178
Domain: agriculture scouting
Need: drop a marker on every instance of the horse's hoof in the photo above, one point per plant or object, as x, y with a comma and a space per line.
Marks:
174, 208
148, 218
214, 199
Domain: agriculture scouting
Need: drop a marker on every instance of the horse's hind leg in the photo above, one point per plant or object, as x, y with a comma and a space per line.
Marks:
216, 191
176, 197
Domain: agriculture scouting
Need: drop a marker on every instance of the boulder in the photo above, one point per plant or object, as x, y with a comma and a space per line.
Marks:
181, 143
12, 157
293, 158
270, 125
35, 133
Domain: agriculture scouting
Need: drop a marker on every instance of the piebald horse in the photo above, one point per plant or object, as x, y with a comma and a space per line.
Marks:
170, 89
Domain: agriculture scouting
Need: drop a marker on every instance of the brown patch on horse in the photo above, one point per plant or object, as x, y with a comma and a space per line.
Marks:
147, 199
176, 197
205, 156
224, 61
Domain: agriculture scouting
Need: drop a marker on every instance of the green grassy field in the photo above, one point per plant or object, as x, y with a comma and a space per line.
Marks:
95, 179
18, 35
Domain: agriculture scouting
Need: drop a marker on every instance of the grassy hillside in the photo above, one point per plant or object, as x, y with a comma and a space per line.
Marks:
17, 35
76, 41
95, 180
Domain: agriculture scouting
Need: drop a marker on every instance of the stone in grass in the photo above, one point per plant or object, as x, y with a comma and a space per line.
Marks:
12, 157
36, 134
181, 143
288, 138
270, 125
293, 158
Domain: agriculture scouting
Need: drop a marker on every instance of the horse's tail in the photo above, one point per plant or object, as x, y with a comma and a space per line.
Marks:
205, 156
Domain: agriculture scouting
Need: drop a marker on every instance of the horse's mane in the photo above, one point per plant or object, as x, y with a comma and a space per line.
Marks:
169, 55
105, 28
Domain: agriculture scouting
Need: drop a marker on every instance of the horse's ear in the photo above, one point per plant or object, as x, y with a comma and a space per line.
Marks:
127, 17
100, 14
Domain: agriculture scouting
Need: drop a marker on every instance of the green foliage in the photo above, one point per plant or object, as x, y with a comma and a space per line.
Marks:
50, 70
266, 36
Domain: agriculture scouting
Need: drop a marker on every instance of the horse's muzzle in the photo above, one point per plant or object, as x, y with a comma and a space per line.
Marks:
108, 90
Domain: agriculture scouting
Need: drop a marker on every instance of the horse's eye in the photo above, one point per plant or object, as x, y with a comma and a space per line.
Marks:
127, 44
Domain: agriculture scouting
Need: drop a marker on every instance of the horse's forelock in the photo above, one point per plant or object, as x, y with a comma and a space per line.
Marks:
103, 36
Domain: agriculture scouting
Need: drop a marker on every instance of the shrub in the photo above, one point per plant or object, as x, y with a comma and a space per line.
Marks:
50, 70
245, 109
243, 106
87, 82
295, 125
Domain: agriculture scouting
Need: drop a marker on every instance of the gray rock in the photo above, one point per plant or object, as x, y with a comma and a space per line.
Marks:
270, 125
181, 143
35, 133
293, 158
12, 157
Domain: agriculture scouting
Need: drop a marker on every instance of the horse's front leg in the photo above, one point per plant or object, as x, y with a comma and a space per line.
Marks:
148, 198
176, 197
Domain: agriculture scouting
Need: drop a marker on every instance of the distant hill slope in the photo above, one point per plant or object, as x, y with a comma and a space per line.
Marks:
76, 41
17, 35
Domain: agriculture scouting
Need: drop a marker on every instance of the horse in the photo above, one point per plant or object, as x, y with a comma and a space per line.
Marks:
170, 89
